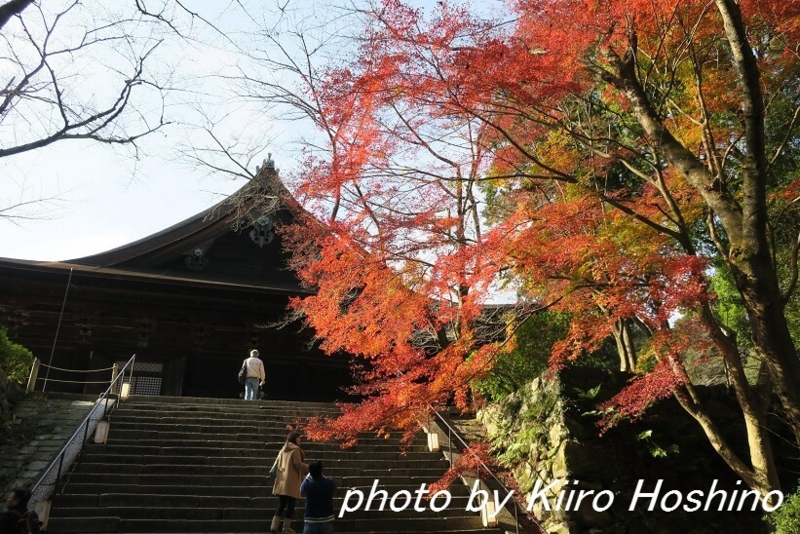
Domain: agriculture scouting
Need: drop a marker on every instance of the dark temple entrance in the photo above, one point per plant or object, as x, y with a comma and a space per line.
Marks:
190, 302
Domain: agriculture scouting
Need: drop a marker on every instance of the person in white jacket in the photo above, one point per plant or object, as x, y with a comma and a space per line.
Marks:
255, 375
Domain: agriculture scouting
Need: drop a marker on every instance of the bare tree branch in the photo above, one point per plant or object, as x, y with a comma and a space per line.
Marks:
78, 121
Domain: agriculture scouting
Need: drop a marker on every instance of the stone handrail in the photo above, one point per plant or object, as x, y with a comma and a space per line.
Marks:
70, 451
451, 431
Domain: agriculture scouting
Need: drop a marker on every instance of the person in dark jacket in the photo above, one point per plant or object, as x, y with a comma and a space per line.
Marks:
16, 508
318, 491
32, 523
291, 470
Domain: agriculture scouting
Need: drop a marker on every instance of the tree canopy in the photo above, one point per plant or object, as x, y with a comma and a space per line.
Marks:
604, 159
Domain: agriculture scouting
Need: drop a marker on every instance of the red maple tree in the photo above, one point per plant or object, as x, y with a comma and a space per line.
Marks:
597, 157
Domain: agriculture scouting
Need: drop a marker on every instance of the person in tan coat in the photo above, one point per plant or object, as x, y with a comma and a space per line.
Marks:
254, 375
291, 468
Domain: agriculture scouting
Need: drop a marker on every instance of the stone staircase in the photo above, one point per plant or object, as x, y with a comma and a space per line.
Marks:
196, 465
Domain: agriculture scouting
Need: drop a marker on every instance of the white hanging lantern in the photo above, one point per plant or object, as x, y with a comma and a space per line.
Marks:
488, 517
433, 442
101, 432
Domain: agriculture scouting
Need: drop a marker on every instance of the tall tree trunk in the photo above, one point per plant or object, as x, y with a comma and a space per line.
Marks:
761, 475
749, 257
771, 335
746, 230
625, 347
745, 223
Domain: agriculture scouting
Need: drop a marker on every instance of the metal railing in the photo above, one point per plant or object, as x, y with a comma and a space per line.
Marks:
453, 432
47, 484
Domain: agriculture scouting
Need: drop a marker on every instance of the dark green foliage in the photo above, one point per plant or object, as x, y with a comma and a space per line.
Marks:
728, 305
535, 339
606, 357
786, 519
15, 360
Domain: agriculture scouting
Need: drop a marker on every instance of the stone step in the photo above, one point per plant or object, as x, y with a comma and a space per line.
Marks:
171, 402
62, 504
333, 469
230, 441
244, 420
117, 431
261, 429
459, 531
259, 490
86, 525
265, 454
241, 407
232, 407
200, 467
120, 430
259, 513
218, 413
261, 459
195, 478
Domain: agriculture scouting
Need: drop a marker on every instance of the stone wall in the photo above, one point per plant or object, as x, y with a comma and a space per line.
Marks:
10, 393
34, 427
546, 434
545, 448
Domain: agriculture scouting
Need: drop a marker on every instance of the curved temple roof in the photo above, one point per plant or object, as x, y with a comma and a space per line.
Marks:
223, 245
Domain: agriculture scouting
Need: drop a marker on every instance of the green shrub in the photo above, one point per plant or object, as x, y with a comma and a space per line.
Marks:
15, 360
535, 339
786, 519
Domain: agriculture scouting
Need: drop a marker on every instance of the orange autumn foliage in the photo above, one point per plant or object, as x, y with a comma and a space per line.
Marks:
597, 157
